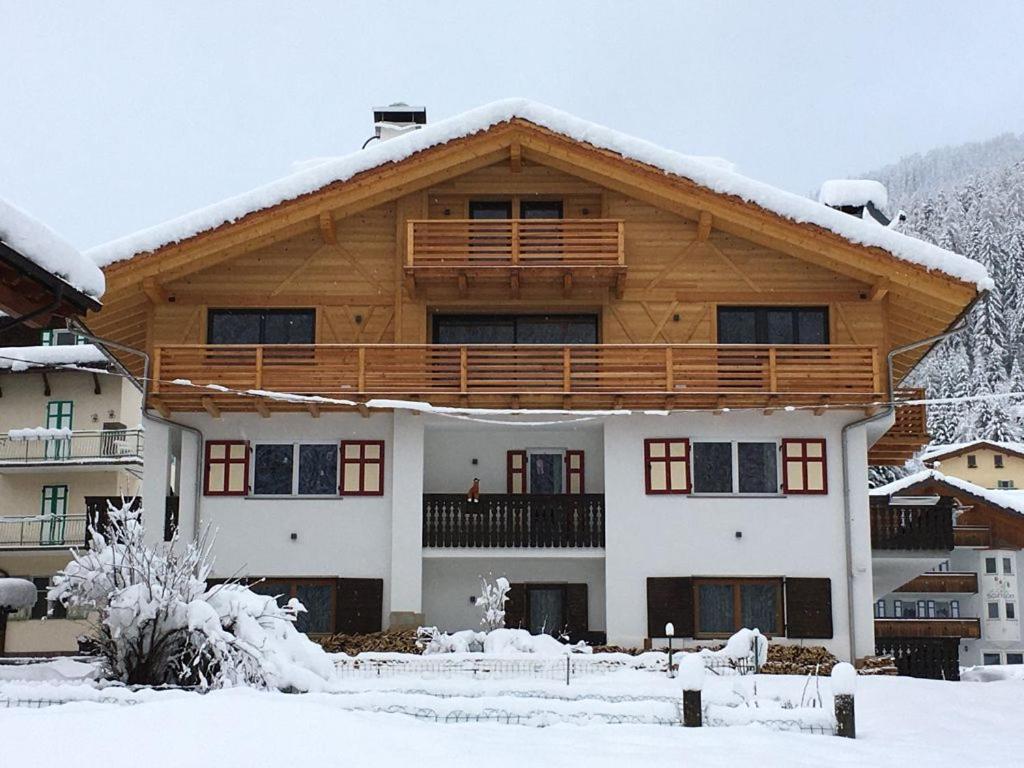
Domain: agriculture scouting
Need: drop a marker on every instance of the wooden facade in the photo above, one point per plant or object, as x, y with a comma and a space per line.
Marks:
653, 256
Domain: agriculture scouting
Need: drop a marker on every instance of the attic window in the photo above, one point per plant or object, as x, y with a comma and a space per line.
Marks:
998, 460
972, 461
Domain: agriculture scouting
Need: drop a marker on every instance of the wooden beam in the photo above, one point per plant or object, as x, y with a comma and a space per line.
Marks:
703, 227
96, 389
160, 405
154, 291
515, 157
567, 285
363, 410
463, 284
46, 384
879, 290
210, 407
698, 296
327, 230
513, 283
261, 408
314, 410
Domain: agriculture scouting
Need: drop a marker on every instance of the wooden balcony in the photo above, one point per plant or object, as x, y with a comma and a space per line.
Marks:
571, 376
915, 628
515, 251
944, 582
906, 436
514, 521
972, 536
912, 528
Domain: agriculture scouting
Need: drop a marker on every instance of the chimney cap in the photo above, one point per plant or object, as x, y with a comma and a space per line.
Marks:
843, 193
400, 112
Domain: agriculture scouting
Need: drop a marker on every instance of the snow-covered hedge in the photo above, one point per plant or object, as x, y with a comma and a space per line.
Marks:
159, 623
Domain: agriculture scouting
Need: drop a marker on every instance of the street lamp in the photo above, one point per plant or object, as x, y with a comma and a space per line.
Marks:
670, 630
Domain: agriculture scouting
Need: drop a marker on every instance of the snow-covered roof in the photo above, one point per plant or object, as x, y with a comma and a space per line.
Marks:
710, 174
853, 192
17, 359
1006, 499
938, 451
48, 250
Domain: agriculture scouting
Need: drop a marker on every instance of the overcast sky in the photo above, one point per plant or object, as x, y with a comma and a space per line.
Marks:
116, 116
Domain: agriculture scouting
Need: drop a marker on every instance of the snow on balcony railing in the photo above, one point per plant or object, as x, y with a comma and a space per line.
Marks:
40, 445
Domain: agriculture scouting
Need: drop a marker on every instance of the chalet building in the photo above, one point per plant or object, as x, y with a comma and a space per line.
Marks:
987, 463
666, 380
968, 602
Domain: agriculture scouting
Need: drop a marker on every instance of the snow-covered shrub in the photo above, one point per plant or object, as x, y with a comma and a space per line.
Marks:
159, 623
16, 594
497, 642
431, 640
493, 596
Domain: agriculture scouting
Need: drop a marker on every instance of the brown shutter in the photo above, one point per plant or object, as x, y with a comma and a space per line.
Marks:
359, 606
809, 608
515, 463
669, 599
515, 608
577, 619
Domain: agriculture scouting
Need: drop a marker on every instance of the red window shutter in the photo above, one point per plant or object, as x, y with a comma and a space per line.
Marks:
226, 468
516, 471
804, 466
667, 465
362, 468
574, 472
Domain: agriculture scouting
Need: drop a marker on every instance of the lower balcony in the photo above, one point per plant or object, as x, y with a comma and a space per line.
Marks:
519, 375
911, 527
943, 582
43, 532
928, 628
515, 521
41, 450
972, 536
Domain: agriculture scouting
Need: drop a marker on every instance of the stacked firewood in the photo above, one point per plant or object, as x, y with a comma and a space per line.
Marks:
798, 660
877, 665
396, 641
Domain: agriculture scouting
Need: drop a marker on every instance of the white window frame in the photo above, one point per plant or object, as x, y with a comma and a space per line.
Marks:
295, 470
735, 456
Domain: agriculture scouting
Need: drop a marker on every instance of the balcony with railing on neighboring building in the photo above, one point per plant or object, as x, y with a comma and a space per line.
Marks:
518, 375
972, 536
912, 527
944, 582
21, 451
928, 628
43, 532
514, 521
516, 252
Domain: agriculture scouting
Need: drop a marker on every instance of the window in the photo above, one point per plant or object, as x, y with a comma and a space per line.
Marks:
997, 461
667, 465
318, 470
922, 609
712, 467
943, 567
53, 510
772, 325
931, 609
317, 595
989, 659
758, 467
1011, 610
728, 467
954, 609
227, 468
515, 329
540, 209
943, 609
724, 606
288, 469
880, 609
1015, 658
1007, 565
993, 610
972, 461
990, 565
261, 326
490, 209
1006, 485
897, 609
60, 338
272, 469
362, 467
803, 466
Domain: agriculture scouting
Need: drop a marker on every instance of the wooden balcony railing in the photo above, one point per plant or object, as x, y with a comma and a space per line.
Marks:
967, 628
972, 536
911, 527
466, 243
943, 581
516, 521
624, 374
907, 435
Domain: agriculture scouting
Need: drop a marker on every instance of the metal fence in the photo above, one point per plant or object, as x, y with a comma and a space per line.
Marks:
87, 445
43, 531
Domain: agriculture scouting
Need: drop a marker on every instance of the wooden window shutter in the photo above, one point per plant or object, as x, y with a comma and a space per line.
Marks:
808, 608
667, 465
804, 466
359, 606
669, 599
226, 468
577, 619
516, 464
515, 607
574, 472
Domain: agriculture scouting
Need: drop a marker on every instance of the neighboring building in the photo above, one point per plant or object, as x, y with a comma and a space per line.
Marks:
650, 362
987, 463
973, 596
69, 431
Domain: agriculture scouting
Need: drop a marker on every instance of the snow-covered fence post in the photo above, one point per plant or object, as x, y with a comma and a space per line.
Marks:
691, 674
15, 594
844, 683
670, 631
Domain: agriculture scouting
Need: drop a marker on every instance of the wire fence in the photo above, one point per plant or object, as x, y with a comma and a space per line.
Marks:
720, 720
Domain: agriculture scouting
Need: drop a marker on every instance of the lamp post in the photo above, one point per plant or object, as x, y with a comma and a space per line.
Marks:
670, 630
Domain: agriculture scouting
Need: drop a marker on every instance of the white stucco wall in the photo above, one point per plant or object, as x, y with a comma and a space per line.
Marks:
448, 583
677, 535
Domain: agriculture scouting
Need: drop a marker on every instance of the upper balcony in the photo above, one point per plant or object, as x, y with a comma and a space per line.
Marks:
523, 375
943, 581
85, 449
907, 435
911, 528
516, 251
968, 628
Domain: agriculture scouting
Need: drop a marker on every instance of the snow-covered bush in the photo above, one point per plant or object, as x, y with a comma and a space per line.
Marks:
493, 596
159, 623
497, 642
16, 594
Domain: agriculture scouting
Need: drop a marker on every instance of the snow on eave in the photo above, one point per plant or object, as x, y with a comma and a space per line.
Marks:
18, 359
1005, 499
39, 244
939, 451
705, 172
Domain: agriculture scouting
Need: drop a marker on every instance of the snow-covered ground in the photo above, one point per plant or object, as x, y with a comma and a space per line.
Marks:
900, 722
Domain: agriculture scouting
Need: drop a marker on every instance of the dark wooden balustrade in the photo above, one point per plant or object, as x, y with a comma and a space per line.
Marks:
514, 521
972, 536
912, 527
943, 581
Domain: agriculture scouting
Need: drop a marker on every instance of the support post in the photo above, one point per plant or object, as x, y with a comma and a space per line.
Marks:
844, 684
691, 673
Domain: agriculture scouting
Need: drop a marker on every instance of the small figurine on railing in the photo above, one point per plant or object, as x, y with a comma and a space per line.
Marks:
473, 494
